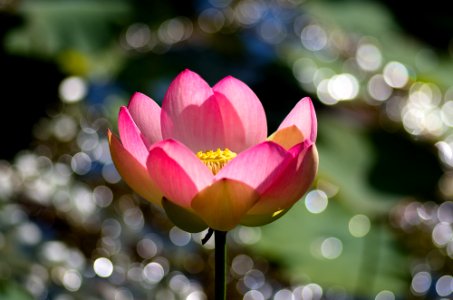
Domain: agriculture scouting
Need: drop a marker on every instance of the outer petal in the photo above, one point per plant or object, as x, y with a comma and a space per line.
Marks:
287, 137
146, 114
262, 219
177, 172
190, 112
131, 137
258, 166
292, 183
223, 204
303, 116
133, 172
249, 110
183, 218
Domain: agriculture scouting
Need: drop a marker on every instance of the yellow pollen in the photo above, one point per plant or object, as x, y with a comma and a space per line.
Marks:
216, 160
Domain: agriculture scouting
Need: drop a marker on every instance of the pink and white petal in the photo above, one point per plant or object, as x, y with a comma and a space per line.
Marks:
287, 137
133, 172
131, 137
177, 172
292, 183
248, 108
304, 117
223, 204
185, 116
146, 114
257, 166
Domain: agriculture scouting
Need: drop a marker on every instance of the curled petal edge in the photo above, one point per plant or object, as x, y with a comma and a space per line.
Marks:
146, 114
131, 137
132, 171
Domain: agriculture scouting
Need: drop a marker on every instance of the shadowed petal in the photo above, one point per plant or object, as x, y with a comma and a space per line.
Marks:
178, 173
182, 217
131, 137
303, 116
262, 219
201, 126
292, 183
233, 133
223, 204
258, 166
249, 110
146, 114
133, 172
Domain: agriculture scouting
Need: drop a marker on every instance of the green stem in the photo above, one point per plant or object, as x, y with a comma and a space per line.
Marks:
220, 265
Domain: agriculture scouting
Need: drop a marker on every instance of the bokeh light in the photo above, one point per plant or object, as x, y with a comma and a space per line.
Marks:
316, 201
369, 57
72, 89
359, 226
71, 227
396, 74
103, 267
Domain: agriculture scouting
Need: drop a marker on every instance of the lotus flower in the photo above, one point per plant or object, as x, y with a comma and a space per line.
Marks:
205, 156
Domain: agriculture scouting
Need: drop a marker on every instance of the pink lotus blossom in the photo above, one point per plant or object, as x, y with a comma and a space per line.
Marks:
205, 156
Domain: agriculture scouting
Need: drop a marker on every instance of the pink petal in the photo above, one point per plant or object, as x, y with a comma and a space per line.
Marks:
258, 166
303, 116
232, 131
251, 128
292, 183
227, 116
223, 204
131, 137
190, 113
146, 114
133, 172
177, 172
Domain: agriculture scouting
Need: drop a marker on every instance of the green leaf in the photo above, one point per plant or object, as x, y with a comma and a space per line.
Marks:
82, 35
11, 291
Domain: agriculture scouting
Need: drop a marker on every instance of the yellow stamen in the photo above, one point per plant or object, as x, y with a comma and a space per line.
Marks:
216, 160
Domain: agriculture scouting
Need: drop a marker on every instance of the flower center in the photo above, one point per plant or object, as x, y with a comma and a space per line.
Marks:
216, 160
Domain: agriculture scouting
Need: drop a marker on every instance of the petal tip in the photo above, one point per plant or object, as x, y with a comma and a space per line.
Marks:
228, 81
123, 110
136, 96
187, 73
307, 99
303, 116
110, 136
